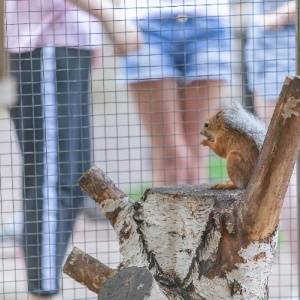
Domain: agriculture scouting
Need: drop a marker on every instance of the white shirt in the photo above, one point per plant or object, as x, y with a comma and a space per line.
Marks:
141, 9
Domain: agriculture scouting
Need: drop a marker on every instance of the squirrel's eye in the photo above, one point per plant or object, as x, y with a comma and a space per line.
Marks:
206, 125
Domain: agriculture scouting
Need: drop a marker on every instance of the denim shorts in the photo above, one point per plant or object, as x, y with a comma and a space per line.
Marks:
270, 57
182, 47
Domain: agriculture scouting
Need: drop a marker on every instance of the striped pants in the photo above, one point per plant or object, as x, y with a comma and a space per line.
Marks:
52, 124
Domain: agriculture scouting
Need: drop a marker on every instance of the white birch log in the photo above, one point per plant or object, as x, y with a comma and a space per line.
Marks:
202, 243
189, 238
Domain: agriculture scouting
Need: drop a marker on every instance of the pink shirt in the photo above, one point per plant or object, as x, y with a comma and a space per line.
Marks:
36, 23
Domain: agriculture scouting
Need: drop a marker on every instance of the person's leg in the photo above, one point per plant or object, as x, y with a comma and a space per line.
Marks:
73, 136
161, 116
200, 100
152, 76
28, 116
54, 138
205, 73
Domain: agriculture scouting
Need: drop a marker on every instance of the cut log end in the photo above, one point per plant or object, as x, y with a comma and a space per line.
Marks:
132, 283
99, 186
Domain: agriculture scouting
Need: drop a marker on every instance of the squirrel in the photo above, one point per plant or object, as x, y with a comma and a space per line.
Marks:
237, 135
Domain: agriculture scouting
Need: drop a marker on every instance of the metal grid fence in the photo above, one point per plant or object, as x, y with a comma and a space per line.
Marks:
122, 144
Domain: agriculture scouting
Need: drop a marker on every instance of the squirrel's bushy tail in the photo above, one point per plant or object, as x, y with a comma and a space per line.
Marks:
239, 119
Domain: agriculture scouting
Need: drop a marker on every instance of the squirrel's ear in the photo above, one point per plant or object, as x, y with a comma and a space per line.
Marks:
218, 115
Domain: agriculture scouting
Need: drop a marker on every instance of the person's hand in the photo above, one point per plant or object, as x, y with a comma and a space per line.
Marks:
96, 59
124, 34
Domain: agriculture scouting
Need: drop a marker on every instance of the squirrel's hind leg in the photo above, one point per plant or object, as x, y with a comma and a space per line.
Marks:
228, 185
238, 169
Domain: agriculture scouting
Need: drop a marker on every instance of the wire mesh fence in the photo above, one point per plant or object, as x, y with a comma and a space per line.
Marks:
81, 100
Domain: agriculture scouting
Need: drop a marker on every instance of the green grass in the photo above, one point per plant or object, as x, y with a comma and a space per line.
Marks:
137, 191
217, 169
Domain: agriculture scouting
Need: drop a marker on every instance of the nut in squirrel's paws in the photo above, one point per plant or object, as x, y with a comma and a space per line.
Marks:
204, 142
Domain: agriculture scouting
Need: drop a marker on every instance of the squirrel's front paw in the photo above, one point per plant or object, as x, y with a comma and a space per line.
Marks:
204, 142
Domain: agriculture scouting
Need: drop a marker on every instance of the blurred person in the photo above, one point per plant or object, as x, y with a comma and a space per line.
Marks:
177, 79
270, 57
270, 51
50, 44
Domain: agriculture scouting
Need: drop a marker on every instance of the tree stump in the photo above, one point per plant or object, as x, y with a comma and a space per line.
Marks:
195, 242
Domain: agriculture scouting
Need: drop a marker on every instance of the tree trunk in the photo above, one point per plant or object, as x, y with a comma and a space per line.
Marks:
266, 190
199, 242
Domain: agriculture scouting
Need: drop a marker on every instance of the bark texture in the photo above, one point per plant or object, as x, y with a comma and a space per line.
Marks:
266, 190
87, 270
196, 242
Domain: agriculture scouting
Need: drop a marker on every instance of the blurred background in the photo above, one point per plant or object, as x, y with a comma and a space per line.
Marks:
122, 148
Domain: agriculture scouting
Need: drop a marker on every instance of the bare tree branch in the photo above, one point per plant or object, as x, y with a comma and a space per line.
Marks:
266, 190
87, 270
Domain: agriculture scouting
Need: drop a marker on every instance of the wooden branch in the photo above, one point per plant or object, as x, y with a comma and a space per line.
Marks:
132, 283
119, 210
266, 190
87, 270
99, 186
101, 189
